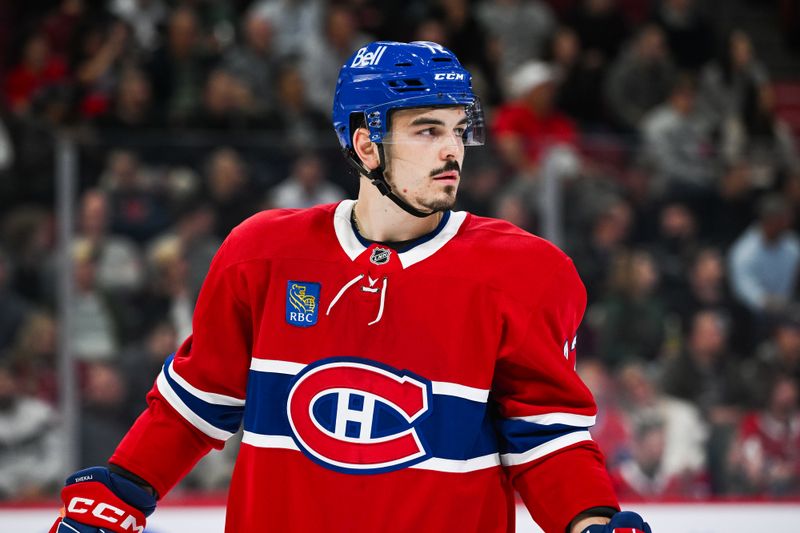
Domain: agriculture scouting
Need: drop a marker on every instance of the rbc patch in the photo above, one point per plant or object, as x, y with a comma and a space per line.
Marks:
302, 303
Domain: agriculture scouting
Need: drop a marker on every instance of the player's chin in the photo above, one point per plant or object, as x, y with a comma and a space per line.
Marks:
443, 201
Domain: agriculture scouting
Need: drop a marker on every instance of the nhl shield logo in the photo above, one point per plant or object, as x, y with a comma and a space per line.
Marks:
302, 303
380, 256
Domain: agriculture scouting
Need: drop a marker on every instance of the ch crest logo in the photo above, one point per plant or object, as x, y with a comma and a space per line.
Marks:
357, 416
380, 256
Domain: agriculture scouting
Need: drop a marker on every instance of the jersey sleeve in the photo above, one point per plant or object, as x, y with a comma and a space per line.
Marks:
197, 402
545, 410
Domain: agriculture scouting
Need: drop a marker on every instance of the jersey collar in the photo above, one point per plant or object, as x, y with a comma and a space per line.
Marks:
421, 249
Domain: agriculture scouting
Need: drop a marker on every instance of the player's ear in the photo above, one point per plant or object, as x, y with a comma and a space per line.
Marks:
366, 150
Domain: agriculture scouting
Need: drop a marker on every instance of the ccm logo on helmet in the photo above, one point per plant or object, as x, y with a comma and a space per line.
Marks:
367, 59
104, 511
356, 416
439, 76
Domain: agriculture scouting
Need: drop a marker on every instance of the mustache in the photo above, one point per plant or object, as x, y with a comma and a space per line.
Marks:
450, 165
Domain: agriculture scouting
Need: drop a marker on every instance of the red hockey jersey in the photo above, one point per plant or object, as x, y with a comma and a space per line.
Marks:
381, 390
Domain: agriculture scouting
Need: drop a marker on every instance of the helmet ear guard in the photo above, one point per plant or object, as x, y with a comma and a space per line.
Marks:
385, 76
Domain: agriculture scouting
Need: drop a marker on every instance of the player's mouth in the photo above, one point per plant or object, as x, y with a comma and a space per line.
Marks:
450, 176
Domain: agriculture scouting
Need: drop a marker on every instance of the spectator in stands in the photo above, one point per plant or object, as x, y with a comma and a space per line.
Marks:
306, 186
611, 430
674, 245
762, 139
706, 288
581, 73
630, 320
778, 356
601, 28
765, 459
678, 141
119, 265
229, 190
639, 79
528, 125
38, 68
684, 431
13, 308
33, 357
764, 261
726, 214
168, 296
64, 23
299, 124
31, 443
178, 69
707, 374
519, 30
96, 328
142, 361
608, 232
145, 17
255, 61
642, 476
103, 48
725, 83
194, 231
481, 182
295, 22
324, 54
138, 210
28, 240
131, 107
104, 415
227, 105
690, 34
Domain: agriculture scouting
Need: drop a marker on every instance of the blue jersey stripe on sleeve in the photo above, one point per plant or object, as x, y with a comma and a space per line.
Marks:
519, 436
225, 417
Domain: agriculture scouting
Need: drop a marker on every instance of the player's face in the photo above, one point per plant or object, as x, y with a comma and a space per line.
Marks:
424, 152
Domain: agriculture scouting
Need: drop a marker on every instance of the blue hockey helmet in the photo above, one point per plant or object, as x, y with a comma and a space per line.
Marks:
386, 75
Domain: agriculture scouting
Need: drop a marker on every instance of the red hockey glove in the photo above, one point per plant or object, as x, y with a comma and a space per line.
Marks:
622, 522
97, 500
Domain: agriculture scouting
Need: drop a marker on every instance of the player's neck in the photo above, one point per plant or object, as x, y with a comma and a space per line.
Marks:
379, 219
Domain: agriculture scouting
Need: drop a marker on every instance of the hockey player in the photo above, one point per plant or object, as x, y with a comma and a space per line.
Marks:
397, 366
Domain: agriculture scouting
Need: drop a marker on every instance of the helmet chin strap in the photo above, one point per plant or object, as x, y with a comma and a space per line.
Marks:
377, 178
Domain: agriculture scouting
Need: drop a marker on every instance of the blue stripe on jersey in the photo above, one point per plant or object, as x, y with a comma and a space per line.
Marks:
457, 428
225, 417
519, 436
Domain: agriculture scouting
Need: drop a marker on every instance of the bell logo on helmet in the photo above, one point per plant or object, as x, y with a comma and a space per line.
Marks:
449, 76
368, 59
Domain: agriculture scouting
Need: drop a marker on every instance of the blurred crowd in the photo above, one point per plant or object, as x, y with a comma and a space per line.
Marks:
679, 180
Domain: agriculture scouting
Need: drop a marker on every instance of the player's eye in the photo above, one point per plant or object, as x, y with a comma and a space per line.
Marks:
460, 131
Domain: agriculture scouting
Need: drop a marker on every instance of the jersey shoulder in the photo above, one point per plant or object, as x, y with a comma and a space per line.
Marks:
511, 259
276, 232
499, 240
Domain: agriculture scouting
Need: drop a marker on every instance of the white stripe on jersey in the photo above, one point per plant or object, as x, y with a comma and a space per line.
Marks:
434, 463
568, 419
438, 387
459, 466
512, 459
